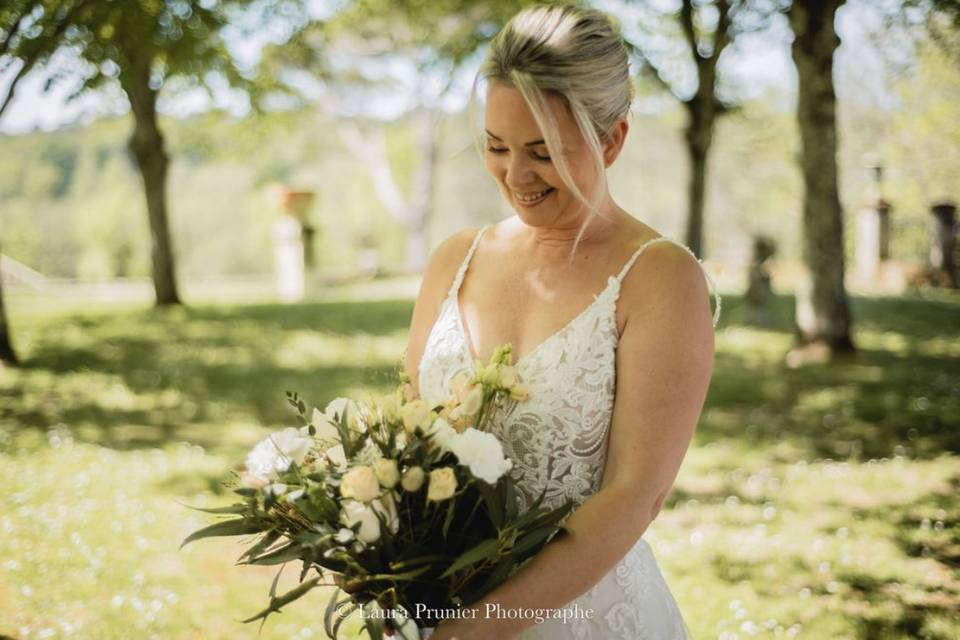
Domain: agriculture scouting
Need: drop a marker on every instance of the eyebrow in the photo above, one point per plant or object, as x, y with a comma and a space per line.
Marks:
528, 144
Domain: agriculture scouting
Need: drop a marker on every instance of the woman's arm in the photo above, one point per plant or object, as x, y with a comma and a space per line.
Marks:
664, 363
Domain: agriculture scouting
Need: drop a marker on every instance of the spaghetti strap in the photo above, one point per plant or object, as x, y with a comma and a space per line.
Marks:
710, 283
458, 280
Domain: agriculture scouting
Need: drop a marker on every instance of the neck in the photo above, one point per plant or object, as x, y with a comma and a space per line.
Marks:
560, 237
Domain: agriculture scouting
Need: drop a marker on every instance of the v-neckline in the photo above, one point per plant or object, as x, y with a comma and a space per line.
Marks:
468, 348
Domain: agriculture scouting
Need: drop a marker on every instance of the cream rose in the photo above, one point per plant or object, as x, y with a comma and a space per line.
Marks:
416, 414
360, 483
412, 479
387, 473
443, 484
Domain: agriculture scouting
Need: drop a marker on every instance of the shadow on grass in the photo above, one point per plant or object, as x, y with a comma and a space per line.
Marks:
142, 378
875, 403
138, 379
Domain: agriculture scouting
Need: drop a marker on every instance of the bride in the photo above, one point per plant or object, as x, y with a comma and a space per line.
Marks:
610, 325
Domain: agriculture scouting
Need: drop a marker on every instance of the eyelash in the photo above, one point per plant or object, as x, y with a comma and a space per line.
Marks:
535, 155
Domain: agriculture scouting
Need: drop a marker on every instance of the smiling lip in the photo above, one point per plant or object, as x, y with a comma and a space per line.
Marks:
535, 201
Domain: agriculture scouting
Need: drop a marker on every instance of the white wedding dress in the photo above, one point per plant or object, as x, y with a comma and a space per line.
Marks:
558, 440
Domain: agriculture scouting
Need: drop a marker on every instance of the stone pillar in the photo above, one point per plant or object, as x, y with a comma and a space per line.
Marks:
293, 239
759, 290
873, 228
943, 265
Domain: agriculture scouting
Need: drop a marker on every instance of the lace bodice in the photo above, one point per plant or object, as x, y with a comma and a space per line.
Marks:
557, 439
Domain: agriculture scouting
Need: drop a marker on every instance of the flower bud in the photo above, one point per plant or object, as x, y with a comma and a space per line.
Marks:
443, 484
412, 479
387, 472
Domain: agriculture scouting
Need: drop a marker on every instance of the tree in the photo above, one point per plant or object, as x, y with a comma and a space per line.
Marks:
707, 28
7, 354
140, 44
823, 312
436, 38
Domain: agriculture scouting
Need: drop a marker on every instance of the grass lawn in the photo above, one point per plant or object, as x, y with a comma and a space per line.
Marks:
821, 502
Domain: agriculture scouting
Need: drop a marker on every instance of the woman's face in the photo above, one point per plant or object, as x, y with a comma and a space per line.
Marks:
517, 157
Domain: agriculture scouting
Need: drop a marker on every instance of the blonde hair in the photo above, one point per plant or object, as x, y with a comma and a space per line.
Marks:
575, 53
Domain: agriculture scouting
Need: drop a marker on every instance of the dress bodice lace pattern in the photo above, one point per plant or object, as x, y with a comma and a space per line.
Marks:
557, 440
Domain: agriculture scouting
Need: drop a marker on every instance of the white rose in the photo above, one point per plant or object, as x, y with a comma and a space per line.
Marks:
416, 414
274, 454
412, 479
387, 473
443, 484
354, 512
326, 430
482, 453
360, 483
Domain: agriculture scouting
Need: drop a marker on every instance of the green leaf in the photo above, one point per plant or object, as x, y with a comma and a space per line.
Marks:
271, 536
483, 551
233, 508
494, 505
237, 527
285, 599
286, 553
531, 541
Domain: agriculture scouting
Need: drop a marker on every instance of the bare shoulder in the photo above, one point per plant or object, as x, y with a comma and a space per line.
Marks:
666, 285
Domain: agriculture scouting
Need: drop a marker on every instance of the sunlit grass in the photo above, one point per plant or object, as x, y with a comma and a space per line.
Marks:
818, 502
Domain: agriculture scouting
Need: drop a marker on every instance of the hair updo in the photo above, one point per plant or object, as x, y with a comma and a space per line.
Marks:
575, 53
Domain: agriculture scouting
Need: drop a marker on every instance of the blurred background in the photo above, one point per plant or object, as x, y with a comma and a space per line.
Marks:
206, 203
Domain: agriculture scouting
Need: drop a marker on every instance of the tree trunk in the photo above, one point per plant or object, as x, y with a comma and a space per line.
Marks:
146, 145
699, 137
427, 123
823, 312
7, 354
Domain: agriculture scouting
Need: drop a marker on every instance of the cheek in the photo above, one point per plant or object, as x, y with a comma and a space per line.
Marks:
494, 166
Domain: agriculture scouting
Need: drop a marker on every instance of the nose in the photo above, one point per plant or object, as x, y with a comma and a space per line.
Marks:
520, 172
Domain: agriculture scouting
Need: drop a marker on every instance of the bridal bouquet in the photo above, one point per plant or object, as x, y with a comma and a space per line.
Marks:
409, 506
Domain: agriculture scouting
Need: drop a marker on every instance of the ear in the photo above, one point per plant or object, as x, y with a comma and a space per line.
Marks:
616, 136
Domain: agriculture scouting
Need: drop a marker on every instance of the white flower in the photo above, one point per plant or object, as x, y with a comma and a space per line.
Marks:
389, 404
326, 430
460, 385
443, 484
387, 473
360, 483
482, 453
416, 414
442, 433
354, 512
336, 455
276, 489
340, 406
471, 404
412, 479
275, 453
